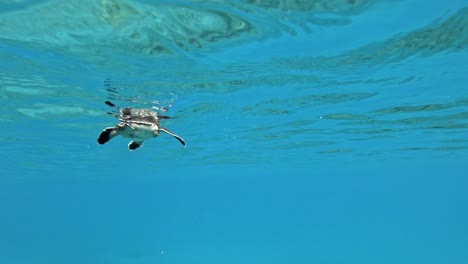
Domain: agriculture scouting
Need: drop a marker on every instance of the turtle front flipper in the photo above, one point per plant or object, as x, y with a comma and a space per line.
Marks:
134, 145
181, 140
107, 134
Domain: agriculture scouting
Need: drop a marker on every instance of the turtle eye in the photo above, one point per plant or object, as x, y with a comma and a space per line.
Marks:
126, 111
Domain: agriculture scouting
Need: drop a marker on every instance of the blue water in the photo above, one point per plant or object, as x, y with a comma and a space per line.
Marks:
317, 131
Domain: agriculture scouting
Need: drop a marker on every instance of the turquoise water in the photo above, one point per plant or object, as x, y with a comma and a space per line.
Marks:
317, 131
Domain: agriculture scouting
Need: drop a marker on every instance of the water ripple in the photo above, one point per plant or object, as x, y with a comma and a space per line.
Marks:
386, 96
161, 27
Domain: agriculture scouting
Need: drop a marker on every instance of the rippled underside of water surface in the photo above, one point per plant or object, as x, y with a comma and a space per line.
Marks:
402, 93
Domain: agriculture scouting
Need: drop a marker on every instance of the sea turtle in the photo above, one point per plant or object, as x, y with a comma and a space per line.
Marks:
137, 125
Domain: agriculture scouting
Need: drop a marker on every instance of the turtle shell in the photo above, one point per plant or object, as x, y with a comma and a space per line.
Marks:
139, 116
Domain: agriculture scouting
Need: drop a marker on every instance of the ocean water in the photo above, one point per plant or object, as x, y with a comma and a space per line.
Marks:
317, 131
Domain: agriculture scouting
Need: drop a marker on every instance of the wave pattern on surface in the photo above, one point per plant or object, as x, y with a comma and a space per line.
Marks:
384, 97
165, 27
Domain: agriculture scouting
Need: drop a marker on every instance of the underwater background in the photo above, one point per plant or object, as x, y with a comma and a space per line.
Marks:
317, 131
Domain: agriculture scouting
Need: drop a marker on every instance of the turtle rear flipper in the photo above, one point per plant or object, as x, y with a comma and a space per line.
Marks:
134, 145
181, 140
107, 134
